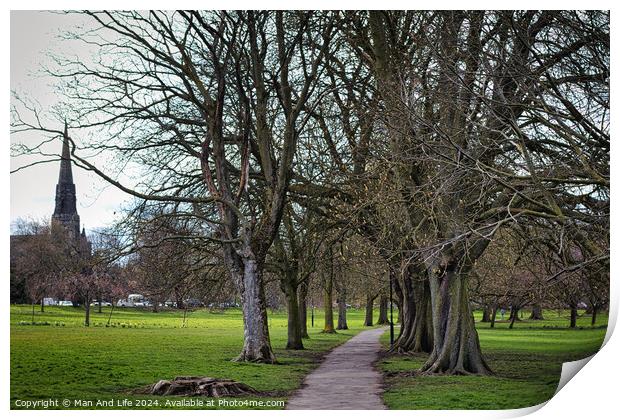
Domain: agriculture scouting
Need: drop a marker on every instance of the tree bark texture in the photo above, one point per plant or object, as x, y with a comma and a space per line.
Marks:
416, 328
342, 309
537, 313
383, 310
456, 347
370, 301
256, 344
289, 287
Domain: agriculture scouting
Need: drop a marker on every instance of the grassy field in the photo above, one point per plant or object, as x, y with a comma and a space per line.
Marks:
527, 362
66, 360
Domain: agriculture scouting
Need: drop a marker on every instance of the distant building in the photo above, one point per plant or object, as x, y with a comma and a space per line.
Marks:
65, 211
65, 215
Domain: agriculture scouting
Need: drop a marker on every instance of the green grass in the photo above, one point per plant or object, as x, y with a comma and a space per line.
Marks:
75, 362
527, 362
66, 360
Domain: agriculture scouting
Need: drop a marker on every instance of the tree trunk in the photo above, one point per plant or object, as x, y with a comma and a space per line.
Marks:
416, 328
573, 316
383, 310
342, 309
493, 316
370, 300
486, 313
110, 315
100, 309
289, 287
327, 305
537, 313
87, 312
42, 304
594, 312
514, 316
303, 309
256, 344
456, 347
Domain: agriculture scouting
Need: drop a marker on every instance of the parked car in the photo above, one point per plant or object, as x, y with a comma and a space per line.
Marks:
124, 303
50, 301
103, 303
65, 303
193, 303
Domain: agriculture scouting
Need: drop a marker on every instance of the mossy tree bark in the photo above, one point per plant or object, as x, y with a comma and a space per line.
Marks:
456, 347
289, 286
416, 327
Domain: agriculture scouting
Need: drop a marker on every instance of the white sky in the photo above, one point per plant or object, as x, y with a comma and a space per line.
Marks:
33, 33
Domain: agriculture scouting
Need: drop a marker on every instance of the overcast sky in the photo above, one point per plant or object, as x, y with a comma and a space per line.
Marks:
32, 190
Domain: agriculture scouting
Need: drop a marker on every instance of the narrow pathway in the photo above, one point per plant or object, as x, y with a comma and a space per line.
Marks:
346, 380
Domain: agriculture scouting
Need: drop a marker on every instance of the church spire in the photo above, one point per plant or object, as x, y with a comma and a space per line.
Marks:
65, 175
65, 211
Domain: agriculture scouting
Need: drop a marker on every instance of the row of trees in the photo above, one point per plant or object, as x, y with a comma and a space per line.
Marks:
434, 140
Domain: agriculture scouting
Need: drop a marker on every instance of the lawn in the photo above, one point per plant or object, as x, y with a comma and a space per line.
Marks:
66, 360
527, 362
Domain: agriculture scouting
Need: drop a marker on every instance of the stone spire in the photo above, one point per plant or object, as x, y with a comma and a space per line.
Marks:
65, 211
65, 175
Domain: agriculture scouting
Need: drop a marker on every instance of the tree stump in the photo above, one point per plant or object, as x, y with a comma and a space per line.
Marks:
199, 386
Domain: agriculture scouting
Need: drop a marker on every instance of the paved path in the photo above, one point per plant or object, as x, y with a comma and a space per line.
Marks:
346, 380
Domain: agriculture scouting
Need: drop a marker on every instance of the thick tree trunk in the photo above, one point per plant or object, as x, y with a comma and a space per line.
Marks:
303, 309
289, 287
342, 309
456, 347
537, 313
256, 344
573, 316
42, 305
594, 312
493, 316
370, 301
486, 313
416, 328
383, 310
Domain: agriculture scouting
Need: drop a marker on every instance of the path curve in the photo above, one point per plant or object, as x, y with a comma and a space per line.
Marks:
346, 379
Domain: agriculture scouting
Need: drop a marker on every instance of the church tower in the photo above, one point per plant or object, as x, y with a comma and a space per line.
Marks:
65, 212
